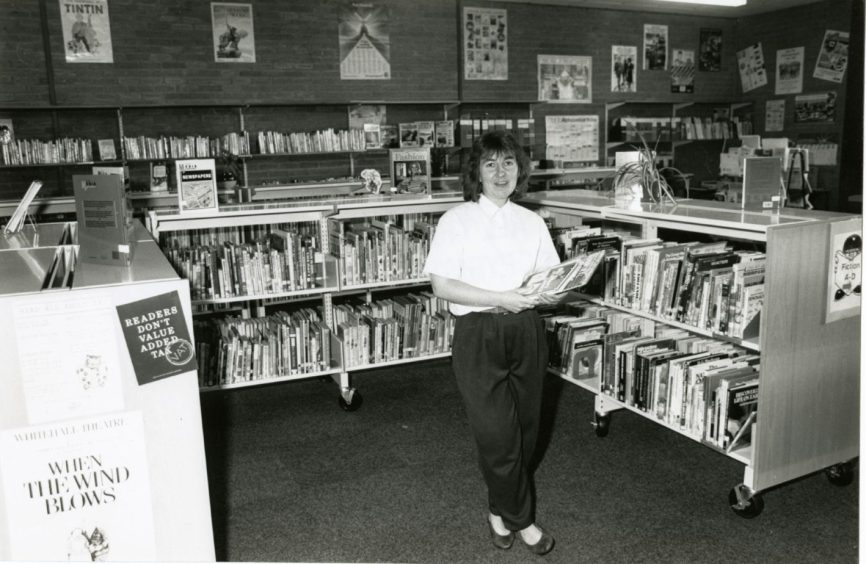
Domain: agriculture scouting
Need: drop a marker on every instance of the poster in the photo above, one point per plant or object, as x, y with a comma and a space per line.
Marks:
485, 44
157, 337
68, 368
789, 70
710, 55
819, 108
565, 78
682, 71
365, 41
774, 115
86, 31
833, 56
79, 490
753, 73
623, 77
845, 272
655, 47
233, 37
571, 138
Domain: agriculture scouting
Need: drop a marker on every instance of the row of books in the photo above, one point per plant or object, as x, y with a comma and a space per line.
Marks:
379, 250
471, 128
666, 129
705, 388
56, 151
407, 326
706, 285
232, 350
187, 147
322, 141
285, 261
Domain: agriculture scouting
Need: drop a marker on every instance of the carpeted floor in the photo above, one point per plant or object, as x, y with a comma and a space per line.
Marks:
293, 478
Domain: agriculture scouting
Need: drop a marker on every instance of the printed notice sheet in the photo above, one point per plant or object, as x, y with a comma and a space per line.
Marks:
572, 138
833, 56
69, 368
753, 72
79, 490
789, 70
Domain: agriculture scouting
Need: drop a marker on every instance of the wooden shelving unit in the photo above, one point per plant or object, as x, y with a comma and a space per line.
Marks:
809, 376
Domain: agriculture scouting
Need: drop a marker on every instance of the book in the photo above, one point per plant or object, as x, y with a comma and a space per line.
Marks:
567, 275
410, 170
389, 136
445, 133
372, 136
408, 134
158, 177
107, 151
196, 185
426, 133
7, 132
104, 219
16, 220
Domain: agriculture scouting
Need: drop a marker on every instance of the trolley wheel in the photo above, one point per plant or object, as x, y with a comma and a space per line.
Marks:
601, 424
745, 503
841, 474
354, 401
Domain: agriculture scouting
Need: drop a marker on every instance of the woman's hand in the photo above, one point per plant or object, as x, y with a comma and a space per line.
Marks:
515, 302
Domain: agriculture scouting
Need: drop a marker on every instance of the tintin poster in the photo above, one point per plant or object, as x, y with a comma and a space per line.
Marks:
157, 337
485, 44
86, 31
79, 491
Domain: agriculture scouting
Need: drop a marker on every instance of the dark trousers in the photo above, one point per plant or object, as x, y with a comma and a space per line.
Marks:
499, 362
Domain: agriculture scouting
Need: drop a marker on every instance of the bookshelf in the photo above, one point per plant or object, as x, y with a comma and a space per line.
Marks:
346, 242
809, 365
73, 384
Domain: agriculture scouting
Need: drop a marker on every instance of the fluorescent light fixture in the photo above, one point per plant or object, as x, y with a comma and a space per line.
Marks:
730, 3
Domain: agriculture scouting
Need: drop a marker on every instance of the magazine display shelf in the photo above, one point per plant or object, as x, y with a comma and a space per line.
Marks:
162, 221
147, 434
809, 378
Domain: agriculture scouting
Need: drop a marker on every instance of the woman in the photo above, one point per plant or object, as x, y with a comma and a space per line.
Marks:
482, 251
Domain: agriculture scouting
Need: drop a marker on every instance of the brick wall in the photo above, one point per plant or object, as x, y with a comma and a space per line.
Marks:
163, 56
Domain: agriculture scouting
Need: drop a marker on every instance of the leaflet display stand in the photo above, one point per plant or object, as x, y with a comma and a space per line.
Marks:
101, 445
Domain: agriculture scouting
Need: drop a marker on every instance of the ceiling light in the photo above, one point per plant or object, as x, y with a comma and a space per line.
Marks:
730, 3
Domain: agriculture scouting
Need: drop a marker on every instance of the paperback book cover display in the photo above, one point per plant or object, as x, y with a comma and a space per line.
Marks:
104, 219
79, 490
410, 170
196, 185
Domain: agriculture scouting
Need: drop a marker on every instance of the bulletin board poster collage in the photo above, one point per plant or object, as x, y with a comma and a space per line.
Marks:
485, 44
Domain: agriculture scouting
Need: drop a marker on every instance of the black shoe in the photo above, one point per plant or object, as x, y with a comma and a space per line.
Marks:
500, 541
544, 544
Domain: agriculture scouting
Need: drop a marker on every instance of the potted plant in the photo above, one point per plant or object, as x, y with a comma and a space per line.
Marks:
229, 170
643, 179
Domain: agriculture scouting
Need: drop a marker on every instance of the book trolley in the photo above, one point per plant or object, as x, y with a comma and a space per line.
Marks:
98, 443
809, 355
331, 282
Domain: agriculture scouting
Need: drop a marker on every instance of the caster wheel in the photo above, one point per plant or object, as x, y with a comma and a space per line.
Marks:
601, 424
840, 474
744, 503
354, 404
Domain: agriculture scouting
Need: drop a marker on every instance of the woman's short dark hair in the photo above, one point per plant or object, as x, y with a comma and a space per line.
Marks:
492, 143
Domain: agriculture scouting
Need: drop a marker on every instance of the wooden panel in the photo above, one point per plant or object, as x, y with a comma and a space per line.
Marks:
809, 398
